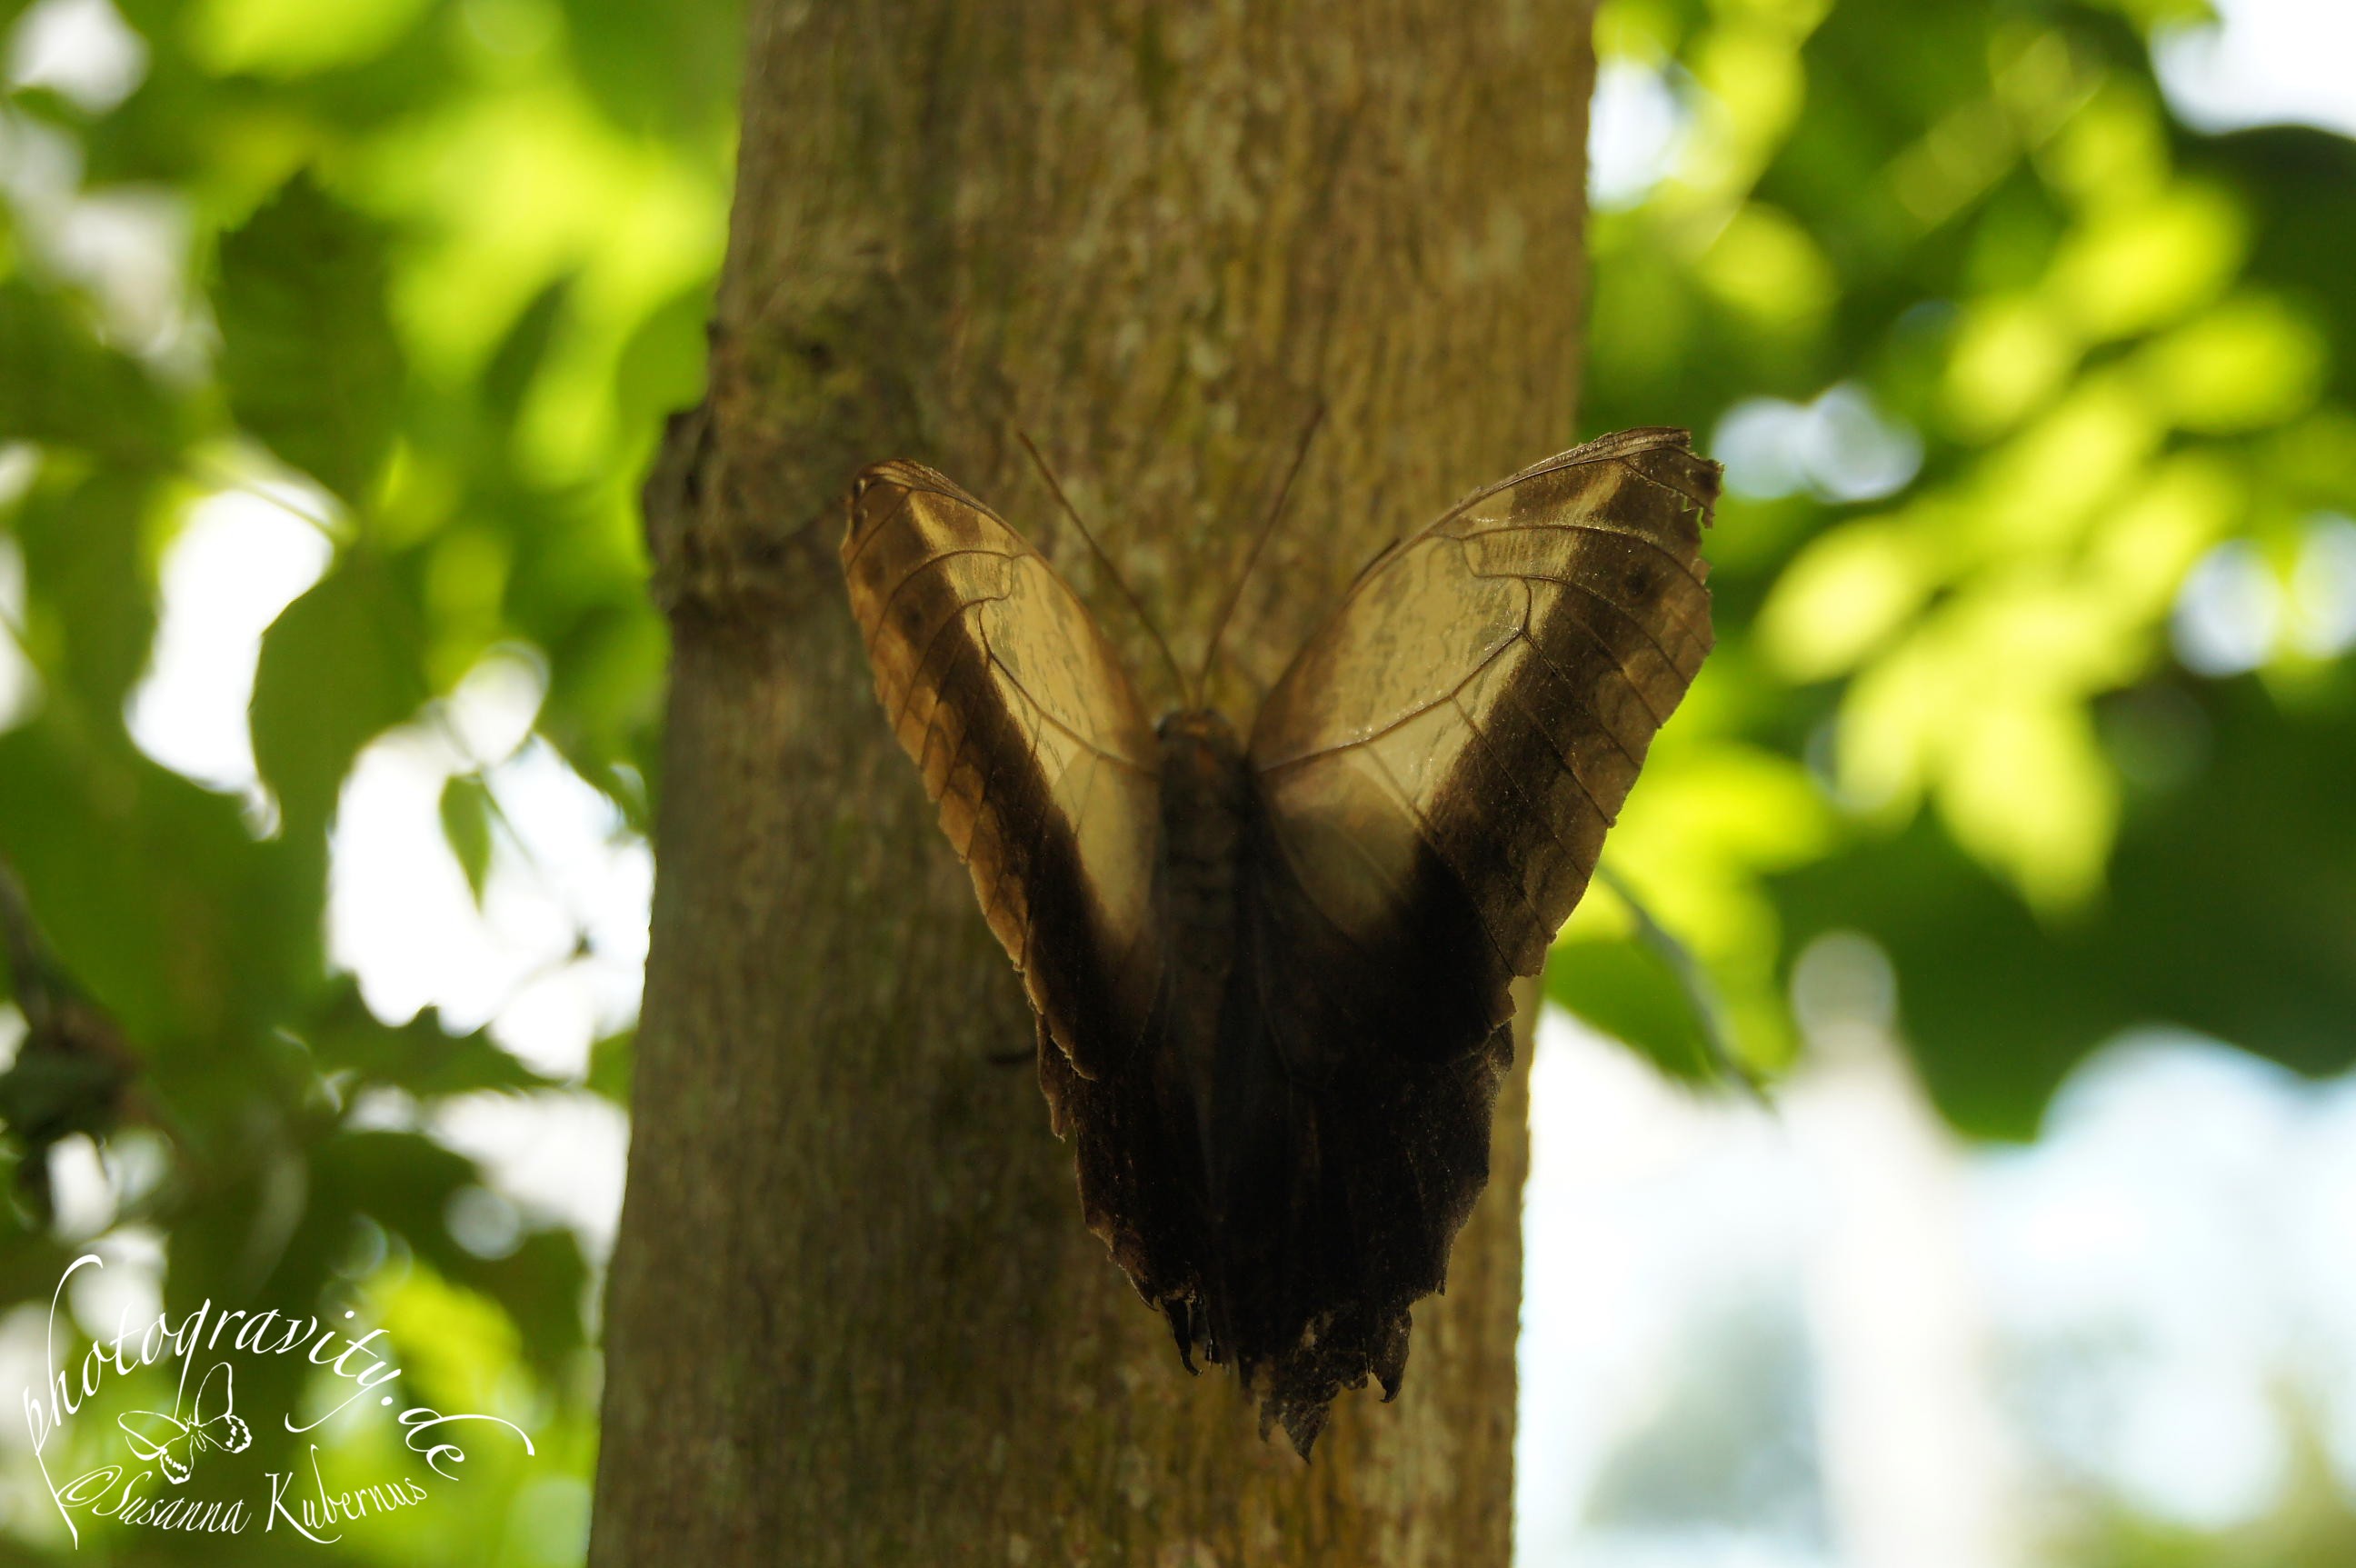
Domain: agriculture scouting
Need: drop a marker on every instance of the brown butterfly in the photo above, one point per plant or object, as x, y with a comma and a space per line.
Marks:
1270, 972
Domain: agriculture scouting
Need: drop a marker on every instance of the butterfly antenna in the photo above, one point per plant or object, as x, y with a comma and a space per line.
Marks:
1236, 590
1102, 561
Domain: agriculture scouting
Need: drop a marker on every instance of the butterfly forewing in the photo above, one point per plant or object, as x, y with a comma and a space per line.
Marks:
1477, 708
1030, 740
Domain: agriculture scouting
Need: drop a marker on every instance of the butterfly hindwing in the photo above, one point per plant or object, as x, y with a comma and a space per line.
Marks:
1031, 742
215, 1424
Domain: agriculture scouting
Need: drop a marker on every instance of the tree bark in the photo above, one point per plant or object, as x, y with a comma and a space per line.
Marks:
855, 1316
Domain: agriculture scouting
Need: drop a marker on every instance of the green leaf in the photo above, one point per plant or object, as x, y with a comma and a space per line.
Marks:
1647, 990
466, 823
308, 355
1629, 992
159, 902
59, 387
666, 67
338, 667
611, 1060
89, 591
507, 379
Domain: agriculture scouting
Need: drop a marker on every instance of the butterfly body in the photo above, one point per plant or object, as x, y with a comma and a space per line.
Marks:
1270, 964
1205, 798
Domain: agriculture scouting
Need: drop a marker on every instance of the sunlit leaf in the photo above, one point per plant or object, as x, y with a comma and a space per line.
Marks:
2249, 362
465, 813
291, 38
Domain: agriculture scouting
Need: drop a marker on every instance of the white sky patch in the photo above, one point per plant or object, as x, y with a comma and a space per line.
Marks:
1840, 447
129, 1287
1650, 1216
239, 559
558, 1156
20, 685
2228, 611
82, 49
551, 961
83, 1196
2146, 1260
20, 463
129, 247
2321, 1217
553, 957
126, 245
1636, 132
2264, 62
2160, 1274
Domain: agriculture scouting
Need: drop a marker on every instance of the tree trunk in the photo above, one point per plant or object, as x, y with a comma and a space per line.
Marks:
855, 1317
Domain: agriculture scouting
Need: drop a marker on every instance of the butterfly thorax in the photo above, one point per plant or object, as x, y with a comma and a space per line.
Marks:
1206, 796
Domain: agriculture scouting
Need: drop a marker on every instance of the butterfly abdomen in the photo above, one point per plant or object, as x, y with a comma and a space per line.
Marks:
1221, 1086
1205, 791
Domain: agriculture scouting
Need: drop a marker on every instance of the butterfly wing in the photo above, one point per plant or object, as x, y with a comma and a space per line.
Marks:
214, 1424
1031, 742
159, 1440
1441, 759
1438, 767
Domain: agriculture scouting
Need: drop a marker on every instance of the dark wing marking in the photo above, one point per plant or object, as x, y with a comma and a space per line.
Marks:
1015, 710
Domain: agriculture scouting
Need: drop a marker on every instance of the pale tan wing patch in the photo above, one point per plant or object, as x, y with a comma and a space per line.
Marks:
1031, 742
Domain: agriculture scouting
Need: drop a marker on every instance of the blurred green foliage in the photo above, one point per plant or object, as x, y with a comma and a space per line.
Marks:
2079, 347
427, 272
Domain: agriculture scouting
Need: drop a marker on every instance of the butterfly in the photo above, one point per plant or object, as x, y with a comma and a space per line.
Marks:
172, 1445
1269, 965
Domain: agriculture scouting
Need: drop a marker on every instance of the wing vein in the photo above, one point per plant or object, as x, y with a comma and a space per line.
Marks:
1622, 610
1085, 743
924, 662
883, 610
877, 527
1601, 530
1410, 716
1497, 762
1587, 708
